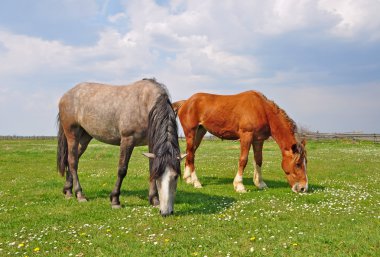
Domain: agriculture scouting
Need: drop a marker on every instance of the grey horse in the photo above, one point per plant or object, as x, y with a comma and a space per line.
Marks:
128, 116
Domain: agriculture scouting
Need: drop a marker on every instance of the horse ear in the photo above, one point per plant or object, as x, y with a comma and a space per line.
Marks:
150, 155
183, 155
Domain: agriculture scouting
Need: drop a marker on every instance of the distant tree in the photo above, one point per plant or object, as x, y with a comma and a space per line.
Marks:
303, 129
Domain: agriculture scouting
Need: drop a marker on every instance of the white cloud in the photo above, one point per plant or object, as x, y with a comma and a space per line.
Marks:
117, 17
209, 37
25, 54
356, 19
191, 46
153, 30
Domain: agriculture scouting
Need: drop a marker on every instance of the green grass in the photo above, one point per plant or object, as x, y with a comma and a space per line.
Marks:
340, 216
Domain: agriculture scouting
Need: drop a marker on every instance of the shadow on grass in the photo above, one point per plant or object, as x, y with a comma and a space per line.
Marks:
191, 202
186, 203
208, 181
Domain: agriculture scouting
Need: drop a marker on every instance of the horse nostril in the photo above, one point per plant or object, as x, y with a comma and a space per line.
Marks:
302, 189
166, 214
172, 212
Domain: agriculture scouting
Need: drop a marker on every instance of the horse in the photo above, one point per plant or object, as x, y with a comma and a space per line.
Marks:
250, 118
127, 116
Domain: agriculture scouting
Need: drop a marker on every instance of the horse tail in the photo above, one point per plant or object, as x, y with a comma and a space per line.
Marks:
62, 163
177, 105
163, 137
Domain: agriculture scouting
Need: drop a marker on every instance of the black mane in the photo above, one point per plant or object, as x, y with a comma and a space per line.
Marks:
163, 136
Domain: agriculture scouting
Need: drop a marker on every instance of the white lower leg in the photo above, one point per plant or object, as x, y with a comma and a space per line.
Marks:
238, 184
191, 177
195, 181
257, 178
187, 175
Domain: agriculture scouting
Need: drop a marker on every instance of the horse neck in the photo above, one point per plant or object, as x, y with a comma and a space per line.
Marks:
281, 128
163, 137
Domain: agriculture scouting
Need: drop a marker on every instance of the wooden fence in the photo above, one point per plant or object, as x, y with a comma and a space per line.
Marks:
310, 135
351, 136
327, 136
27, 137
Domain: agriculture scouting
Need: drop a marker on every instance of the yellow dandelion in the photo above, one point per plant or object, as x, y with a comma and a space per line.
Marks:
294, 244
21, 245
252, 238
108, 230
37, 249
167, 240
194, 254
82, 234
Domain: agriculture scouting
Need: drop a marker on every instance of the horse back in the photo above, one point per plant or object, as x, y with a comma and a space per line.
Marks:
109, 112
226, 116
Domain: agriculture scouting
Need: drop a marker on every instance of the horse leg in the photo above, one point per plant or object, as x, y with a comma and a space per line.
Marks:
68, 187
189, 164
258, 156
153, 194
72, 158
245, 145
201, 132
193, 140
126, 149
83, 143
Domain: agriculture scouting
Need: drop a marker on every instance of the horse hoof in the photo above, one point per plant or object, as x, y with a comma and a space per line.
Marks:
188, 180
156, 203
241, 191
68, 196
239, 188
197, 184
116, 206
82, 200
262, 185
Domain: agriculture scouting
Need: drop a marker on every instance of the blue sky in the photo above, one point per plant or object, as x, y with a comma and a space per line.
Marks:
318, 59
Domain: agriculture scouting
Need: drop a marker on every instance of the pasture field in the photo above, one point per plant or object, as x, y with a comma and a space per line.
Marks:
340, 216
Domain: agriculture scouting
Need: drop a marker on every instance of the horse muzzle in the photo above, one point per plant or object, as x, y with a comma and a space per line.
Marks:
165, 214
300, 188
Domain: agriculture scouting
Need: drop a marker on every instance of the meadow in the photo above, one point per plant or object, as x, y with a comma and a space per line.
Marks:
339, 216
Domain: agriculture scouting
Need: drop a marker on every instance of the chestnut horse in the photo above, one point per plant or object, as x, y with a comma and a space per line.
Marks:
127, 116
251, 118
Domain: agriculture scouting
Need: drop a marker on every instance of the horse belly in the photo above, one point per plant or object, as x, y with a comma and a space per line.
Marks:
221, 128
228, 135
109, 136
100, 126
222, 133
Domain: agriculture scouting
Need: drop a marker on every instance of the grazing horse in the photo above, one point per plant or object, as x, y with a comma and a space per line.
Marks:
251, 118
128, 116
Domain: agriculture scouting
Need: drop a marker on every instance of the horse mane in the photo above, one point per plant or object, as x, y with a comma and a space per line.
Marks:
292, 125
163, 135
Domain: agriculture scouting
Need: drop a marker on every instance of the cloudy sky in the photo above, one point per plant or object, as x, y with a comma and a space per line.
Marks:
318, 59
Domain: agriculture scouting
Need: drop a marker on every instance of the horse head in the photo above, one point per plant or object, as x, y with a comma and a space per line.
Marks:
166, 182
294, 164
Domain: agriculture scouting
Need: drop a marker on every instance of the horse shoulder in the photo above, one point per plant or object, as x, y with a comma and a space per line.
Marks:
251, 107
